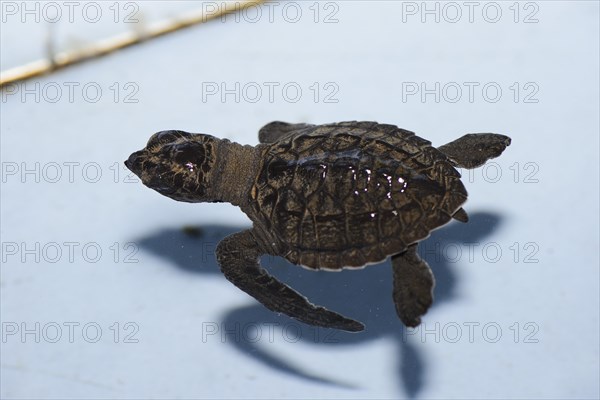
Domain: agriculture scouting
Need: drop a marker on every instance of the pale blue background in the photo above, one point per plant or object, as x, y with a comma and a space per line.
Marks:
176, 296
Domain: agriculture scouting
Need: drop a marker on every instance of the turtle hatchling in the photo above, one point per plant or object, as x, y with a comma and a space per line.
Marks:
327, 197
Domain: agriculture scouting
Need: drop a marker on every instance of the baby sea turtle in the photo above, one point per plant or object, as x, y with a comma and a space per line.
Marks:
327, 197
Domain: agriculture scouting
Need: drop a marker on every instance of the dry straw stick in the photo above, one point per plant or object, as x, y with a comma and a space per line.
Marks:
103, 47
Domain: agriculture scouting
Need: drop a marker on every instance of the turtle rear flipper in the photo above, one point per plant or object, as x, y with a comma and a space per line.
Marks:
238, 256
413, 286
474, 149
461, 215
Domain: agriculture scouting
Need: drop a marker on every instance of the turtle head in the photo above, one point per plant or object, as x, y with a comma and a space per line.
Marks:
177, 164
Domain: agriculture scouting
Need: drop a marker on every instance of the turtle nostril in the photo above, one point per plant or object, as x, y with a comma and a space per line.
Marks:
134, 162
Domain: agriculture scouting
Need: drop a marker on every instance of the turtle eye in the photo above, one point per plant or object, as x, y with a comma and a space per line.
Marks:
190, 155
164, 137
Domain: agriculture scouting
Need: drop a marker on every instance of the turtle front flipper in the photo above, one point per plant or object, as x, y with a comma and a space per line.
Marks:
474, 149
238, 256
413, 286
277, 130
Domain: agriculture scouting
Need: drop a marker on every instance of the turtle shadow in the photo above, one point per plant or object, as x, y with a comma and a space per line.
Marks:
364, 295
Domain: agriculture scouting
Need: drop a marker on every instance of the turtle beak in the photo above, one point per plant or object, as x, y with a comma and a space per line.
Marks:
134, 162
